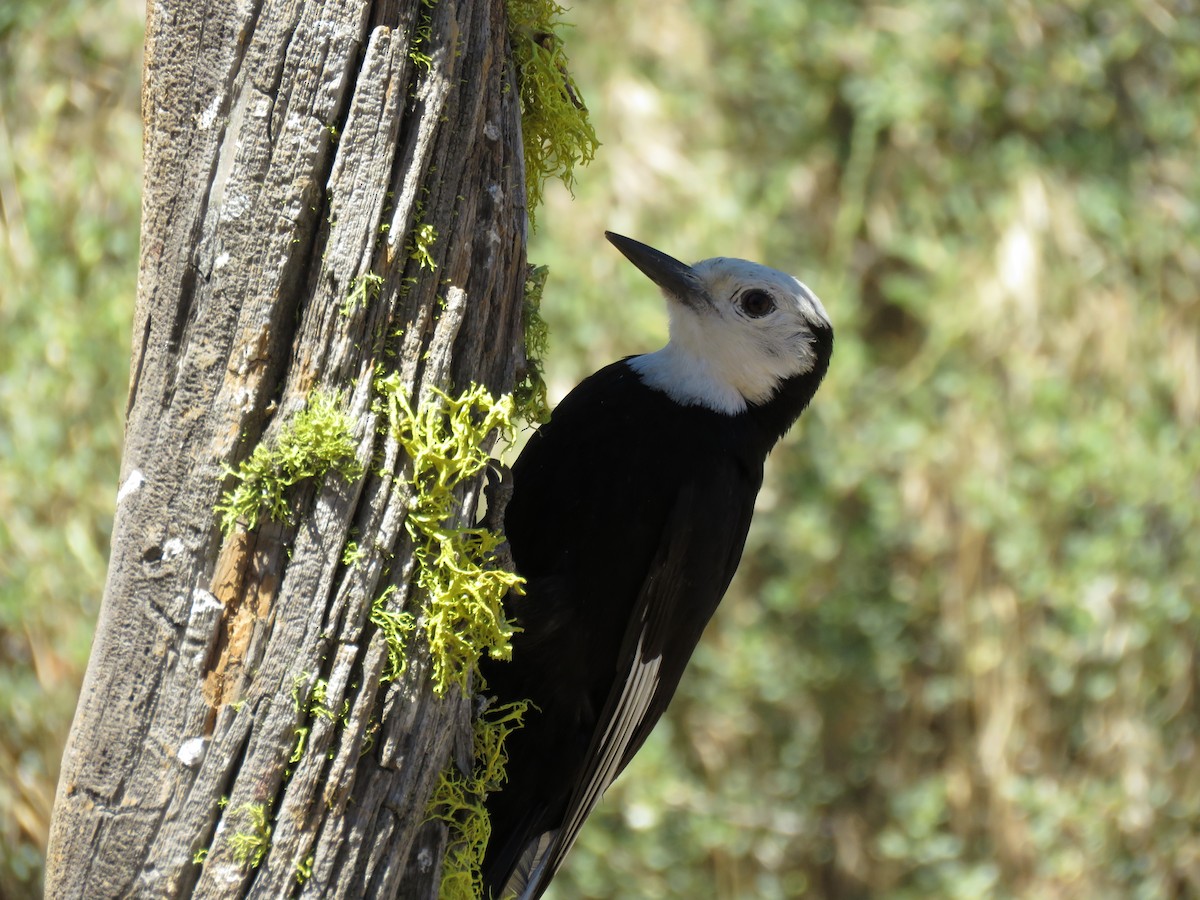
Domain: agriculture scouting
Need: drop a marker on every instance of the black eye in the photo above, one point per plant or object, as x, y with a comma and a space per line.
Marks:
757, 304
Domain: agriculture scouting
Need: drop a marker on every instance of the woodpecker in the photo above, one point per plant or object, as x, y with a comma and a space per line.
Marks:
627, 519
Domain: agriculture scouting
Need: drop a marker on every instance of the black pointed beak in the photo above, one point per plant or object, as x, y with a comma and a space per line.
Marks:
678, 280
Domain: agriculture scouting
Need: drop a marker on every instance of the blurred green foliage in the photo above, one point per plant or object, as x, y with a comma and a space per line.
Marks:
960, 657
69, 193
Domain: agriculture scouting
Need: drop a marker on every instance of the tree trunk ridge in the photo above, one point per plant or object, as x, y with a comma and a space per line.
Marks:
290, 150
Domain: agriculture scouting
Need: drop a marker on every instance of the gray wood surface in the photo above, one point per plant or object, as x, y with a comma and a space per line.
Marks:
289, 149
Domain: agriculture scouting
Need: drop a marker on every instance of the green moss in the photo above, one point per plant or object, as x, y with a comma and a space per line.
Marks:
317, 697
304, 869
253, 838
463, 615
301, 732
313, 706
422, 237
363, 290
554, 120
530, 393
353, 554
421, 37
318, 440
459, 799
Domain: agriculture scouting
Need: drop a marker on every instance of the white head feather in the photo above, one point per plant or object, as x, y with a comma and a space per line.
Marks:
729, 346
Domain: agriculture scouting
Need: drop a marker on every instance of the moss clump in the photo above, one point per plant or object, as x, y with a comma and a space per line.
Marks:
353, 554
320, 439
420, 240
363, 290
554, 120
463, 616
313, 706
530, 393
301, 732
458, 800
253, 838
304, 869
422, 35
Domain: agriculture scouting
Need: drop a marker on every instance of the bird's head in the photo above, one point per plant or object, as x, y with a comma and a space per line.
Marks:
739, 330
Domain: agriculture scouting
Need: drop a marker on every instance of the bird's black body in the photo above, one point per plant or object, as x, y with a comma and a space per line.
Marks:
628, 517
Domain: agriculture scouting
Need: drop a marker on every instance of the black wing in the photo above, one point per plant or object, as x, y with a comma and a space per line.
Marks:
688, 577
628, 519
629, 536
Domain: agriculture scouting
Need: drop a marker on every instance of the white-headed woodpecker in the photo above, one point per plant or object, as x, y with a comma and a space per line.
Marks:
628, 516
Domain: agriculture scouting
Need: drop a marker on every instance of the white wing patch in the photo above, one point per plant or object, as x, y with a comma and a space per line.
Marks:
628, 715
549, 849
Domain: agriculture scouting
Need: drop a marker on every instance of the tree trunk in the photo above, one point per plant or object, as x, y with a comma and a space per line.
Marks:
290, 150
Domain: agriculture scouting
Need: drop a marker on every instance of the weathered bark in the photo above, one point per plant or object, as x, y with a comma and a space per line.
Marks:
290, 148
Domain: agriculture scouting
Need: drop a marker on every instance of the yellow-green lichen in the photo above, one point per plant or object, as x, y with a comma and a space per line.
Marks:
318, 440
252, 840
395, 626
554, 120
458, 800
463, 615
530, 393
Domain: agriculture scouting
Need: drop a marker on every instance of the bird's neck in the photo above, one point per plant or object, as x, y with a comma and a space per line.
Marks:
687, 379
691, 380
776, 416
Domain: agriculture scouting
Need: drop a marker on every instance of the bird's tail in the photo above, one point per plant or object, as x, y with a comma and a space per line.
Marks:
526, 882
522, 878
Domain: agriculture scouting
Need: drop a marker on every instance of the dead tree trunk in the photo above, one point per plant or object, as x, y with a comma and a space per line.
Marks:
333, 191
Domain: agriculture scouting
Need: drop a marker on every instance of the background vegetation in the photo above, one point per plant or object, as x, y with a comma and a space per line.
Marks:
960, 659
70, 168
